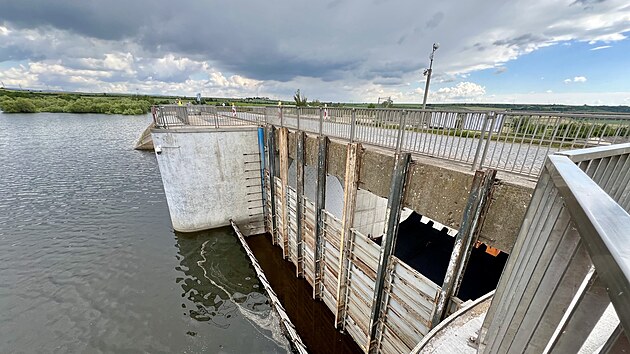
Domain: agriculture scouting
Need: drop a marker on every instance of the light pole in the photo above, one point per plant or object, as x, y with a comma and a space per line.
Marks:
427, 73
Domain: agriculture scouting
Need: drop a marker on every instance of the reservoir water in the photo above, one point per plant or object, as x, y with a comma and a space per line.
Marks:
89, 261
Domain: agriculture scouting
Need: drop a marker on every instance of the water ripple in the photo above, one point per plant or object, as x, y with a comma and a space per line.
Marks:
88, 260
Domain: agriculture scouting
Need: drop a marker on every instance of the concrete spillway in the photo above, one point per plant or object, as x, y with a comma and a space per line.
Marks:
347, 217
212, 175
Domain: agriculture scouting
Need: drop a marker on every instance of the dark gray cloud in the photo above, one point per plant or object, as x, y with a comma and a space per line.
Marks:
522, 40
360, 46
112, 19
435, 20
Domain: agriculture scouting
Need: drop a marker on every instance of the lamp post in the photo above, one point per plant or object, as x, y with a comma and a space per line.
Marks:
427, 73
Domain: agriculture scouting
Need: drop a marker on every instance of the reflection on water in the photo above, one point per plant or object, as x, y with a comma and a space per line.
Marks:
218, 287
88, 259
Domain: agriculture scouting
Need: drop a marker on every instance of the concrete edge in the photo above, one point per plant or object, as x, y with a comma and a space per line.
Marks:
442, 325
202, 129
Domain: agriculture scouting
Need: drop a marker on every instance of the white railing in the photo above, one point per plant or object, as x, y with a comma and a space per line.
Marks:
571, 259
515, 142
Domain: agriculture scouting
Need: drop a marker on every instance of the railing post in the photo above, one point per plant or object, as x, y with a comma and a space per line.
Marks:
481, 141
216, 117
281, 116
581, 316
394, 208
321, 120
297, 113
492, 117
401, 130
320, 205
474, 213
353, 123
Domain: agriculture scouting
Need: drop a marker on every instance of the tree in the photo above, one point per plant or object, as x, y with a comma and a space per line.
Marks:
300, 100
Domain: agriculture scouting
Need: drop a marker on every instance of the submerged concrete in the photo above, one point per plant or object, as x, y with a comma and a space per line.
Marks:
145, 141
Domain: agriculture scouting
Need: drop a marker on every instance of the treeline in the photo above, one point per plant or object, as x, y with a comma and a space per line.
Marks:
76, 104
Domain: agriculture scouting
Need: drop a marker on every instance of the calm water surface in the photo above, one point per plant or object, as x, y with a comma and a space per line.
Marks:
88, 259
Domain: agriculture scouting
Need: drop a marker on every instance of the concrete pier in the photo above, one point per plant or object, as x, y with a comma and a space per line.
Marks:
211, 175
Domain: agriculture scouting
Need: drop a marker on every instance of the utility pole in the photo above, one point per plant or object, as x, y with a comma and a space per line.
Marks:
427, 73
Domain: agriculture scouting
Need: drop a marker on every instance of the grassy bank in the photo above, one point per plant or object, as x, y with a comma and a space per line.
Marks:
27, 102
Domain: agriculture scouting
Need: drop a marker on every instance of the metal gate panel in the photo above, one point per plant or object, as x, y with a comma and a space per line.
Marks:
279, 232
308, 239
292, 224
364, 256
268, 215
410, 304
330, 259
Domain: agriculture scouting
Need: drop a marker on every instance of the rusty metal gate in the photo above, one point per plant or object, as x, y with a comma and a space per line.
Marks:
330, 259
279, 235
360, 288
308, 239
292, 225
410, 302
268, 214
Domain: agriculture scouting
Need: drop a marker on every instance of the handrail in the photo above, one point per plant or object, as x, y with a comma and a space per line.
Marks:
603, 225
571, 259
514, 142
596, 152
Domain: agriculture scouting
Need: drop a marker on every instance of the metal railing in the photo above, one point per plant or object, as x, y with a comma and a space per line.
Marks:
515, 142
571, 259
210, 116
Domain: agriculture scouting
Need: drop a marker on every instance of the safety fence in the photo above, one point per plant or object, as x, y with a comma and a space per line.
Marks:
515, 142
570, 260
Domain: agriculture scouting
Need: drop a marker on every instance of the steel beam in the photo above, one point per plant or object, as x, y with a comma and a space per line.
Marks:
474, 213
351, 184
299, 160
283, 147
271, 158
320, 204
580, 317
394, 208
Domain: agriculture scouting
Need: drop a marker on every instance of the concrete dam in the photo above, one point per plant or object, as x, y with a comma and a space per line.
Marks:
401, 221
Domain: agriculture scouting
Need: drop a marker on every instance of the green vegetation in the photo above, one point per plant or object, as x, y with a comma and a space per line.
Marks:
19, 102
26, 101
300, 100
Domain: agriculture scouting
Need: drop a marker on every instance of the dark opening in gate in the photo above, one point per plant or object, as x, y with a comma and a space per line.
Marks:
428, 251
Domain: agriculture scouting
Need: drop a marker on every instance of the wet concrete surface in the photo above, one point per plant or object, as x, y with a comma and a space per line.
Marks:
313, 320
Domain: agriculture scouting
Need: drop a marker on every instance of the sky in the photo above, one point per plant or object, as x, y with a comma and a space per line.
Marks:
519, 51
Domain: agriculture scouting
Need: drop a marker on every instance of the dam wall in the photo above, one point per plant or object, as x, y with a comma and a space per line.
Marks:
334, 207
211, 176
435, 189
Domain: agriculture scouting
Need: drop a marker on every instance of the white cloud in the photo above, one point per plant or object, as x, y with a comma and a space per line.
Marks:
351, 53
575, 79
463, 91
579, 79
